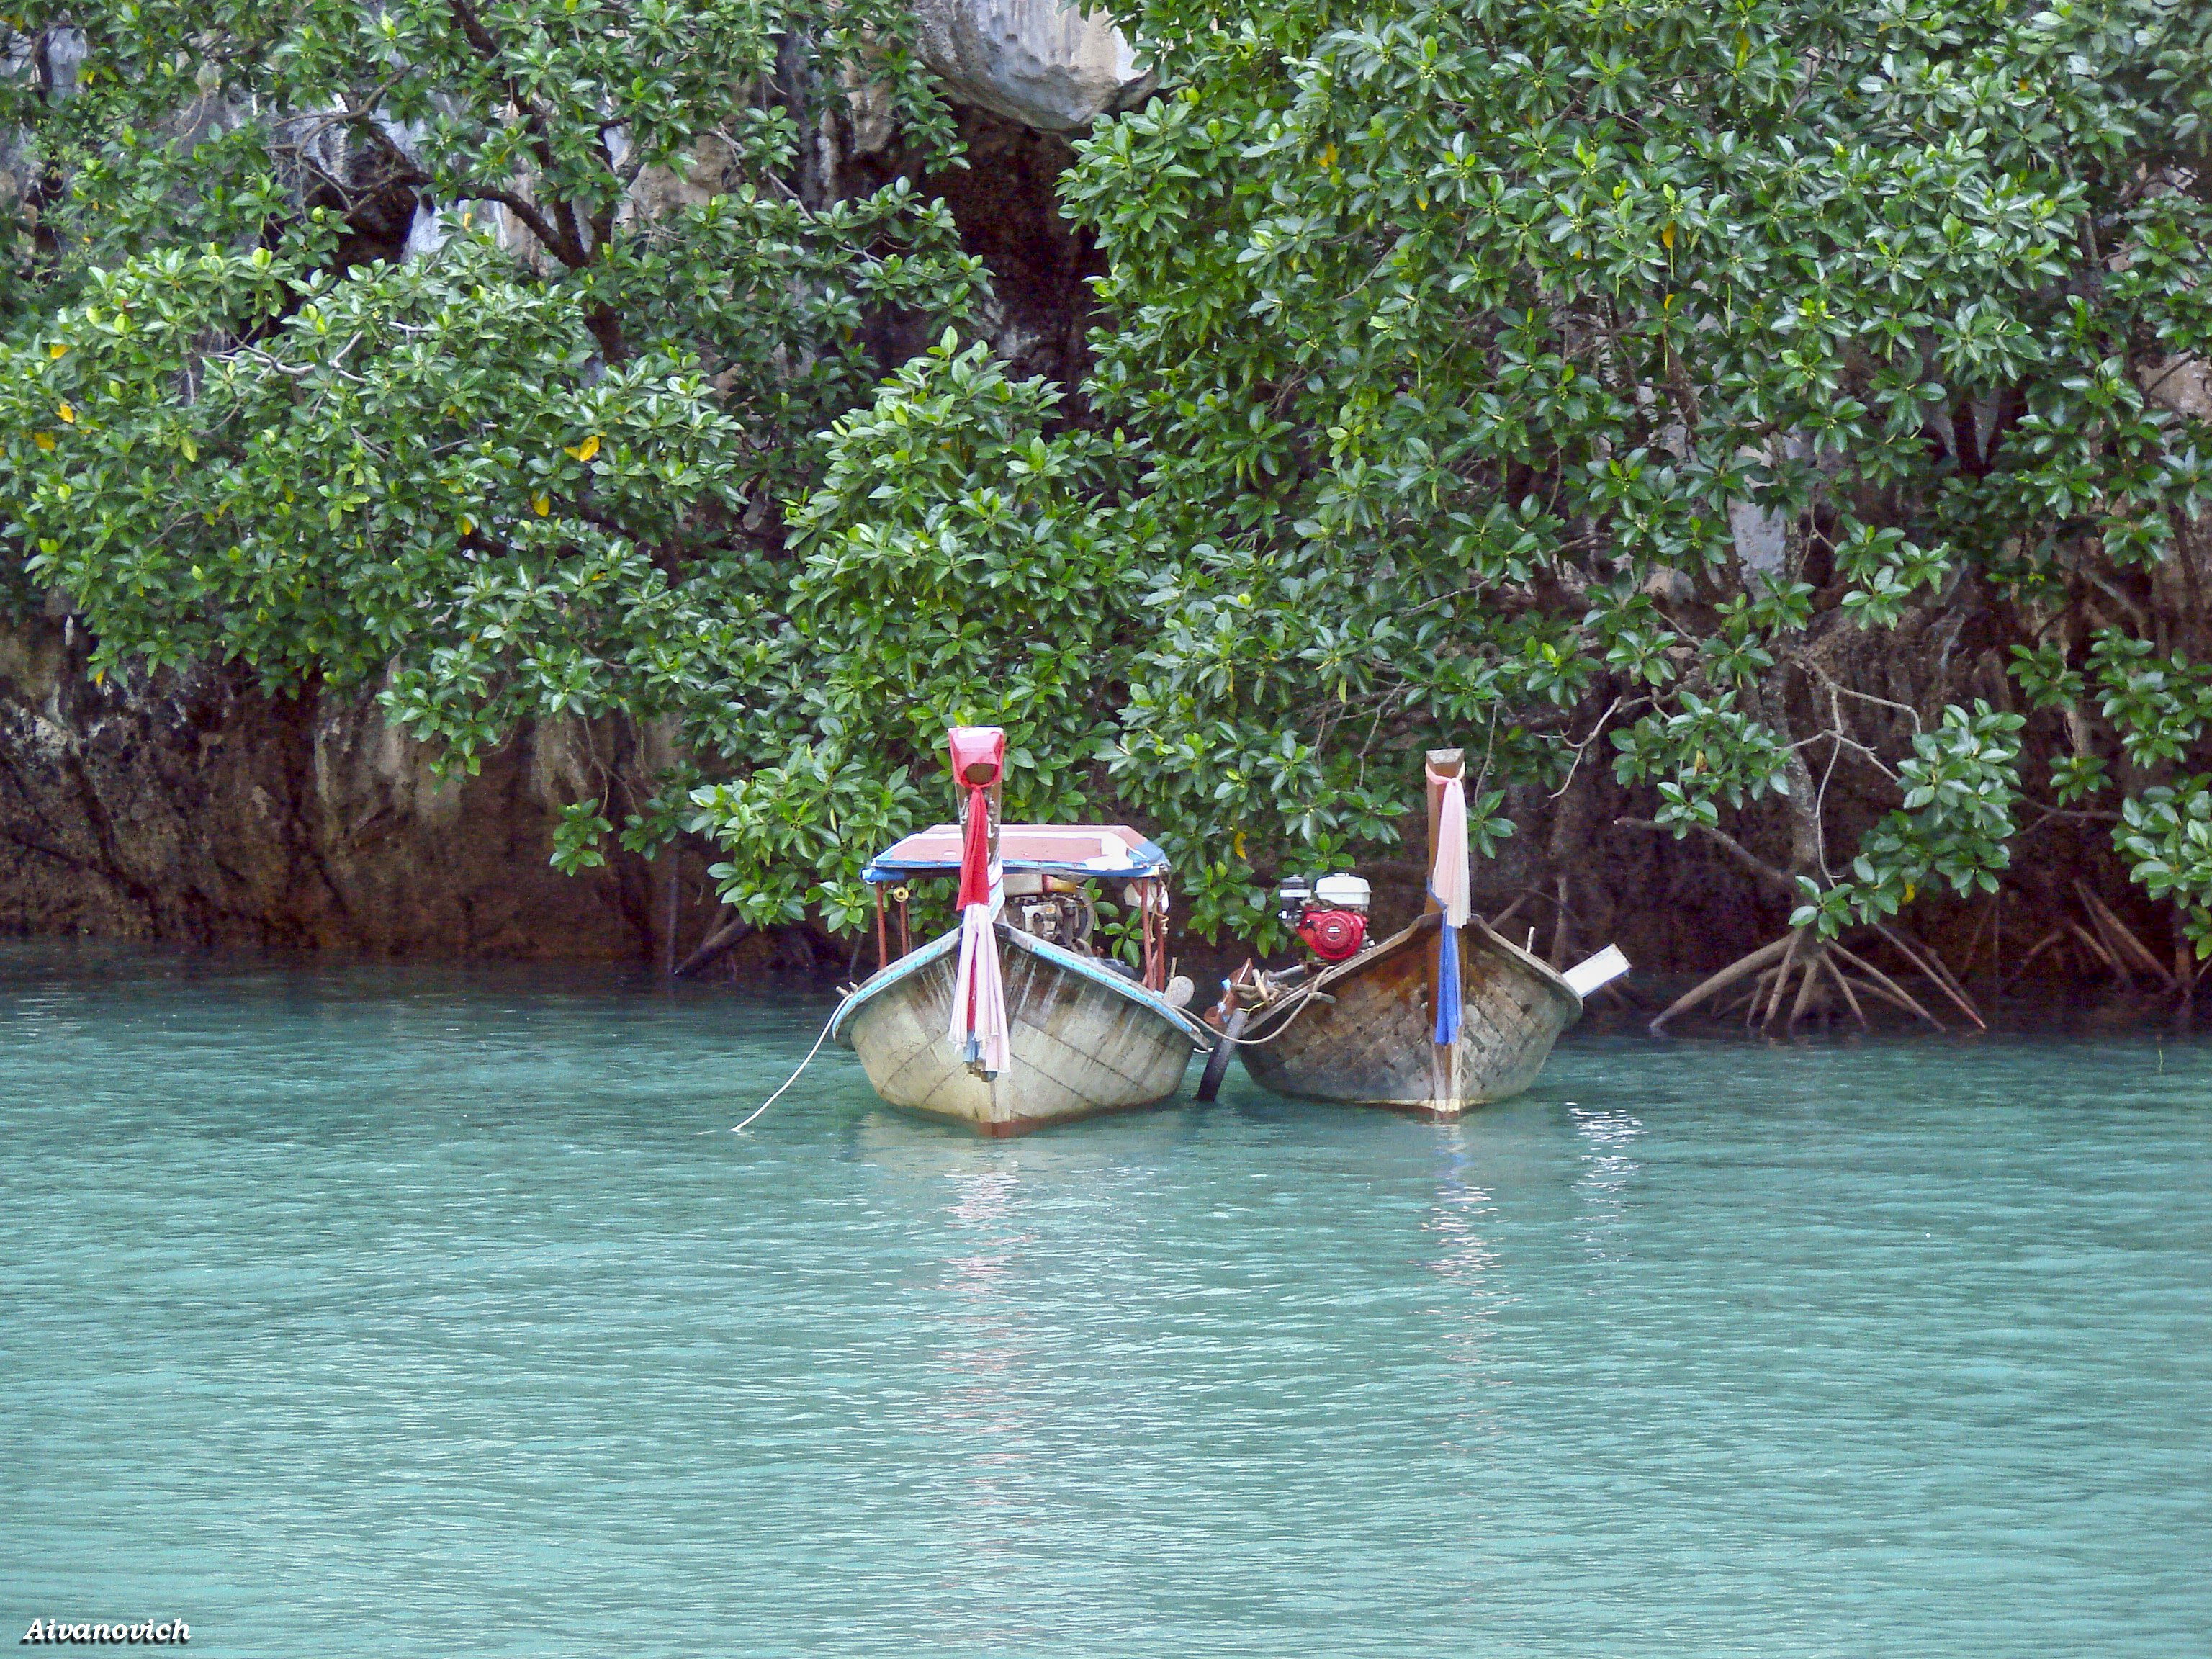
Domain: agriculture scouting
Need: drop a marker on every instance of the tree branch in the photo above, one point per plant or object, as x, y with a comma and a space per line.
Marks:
1758, 867
1835, 685
532, 220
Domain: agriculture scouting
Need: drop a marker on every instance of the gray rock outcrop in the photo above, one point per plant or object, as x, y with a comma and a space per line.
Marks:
1045, 65
188, 805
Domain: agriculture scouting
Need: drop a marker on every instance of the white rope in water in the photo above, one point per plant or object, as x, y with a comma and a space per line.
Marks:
792, 1079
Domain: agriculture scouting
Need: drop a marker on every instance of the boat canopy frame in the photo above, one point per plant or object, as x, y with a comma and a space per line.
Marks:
1070, 852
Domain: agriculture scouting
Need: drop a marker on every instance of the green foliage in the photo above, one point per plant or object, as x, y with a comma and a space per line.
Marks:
1961, 783
2156, 706
577, 837
537, 469
961, 564
1559, 370
2167, 833
470, 508
1699, 756
784, 825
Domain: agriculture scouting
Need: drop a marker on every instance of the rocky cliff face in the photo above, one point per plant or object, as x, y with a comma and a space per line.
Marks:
191, 807
1043, 64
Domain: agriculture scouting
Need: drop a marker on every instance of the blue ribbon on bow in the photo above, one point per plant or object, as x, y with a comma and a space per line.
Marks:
1450, 1004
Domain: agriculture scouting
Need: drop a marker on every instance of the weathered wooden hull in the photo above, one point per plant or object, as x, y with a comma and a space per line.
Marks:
1372, 1047
1082, 1039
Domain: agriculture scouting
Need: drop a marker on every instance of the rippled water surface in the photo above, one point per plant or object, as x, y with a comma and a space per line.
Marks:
362, 1311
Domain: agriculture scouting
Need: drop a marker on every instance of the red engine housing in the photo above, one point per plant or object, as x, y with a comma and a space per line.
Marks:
1332, 935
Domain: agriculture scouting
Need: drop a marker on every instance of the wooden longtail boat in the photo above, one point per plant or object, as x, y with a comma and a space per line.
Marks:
1059, 1031
1369, 1031
1371, 1046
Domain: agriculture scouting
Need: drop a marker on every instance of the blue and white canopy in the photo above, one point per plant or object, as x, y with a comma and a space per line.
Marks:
1077, 852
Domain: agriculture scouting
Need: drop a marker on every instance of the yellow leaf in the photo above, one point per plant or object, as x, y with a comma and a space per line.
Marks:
68, 415
468, 527
56, 350
1240, 844
585, 450
541, 505
1328, 158
44, 439
1666, 236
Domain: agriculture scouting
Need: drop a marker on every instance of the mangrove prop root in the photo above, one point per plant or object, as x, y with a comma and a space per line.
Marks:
1759, 988
1845, 985
2126, 941
1781, 979
1720, 982
1896, 992
1760, 983
712, 950
1811, 978
1931, 965
1974, 942
2098, 952
1903, 1004
2055, 936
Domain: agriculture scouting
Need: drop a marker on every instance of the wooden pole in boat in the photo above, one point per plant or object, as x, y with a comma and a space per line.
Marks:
1442, 764
883, 941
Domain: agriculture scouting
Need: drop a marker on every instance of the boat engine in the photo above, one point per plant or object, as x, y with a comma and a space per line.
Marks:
1052, 908
1330, 916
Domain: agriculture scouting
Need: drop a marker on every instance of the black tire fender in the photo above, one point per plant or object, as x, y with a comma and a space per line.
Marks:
1217, 1063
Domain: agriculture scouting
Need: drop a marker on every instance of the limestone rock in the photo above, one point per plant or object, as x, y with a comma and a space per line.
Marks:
1037, 62
185, 804
2181, 383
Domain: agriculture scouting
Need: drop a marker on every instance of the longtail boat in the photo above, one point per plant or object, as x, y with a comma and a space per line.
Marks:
1014, 1019
1442, 1016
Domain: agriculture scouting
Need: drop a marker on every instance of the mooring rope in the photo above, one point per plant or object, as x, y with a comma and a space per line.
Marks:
793, 1078
1297, 1008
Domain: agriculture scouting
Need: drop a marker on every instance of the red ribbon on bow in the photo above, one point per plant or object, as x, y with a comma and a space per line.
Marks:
979, 1008
978, 759
976, 850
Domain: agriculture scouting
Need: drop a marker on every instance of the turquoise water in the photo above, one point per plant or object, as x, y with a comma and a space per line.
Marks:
363, 1311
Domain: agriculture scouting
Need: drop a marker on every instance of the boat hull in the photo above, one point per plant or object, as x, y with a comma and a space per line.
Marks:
1371, 1046
1080, 1039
